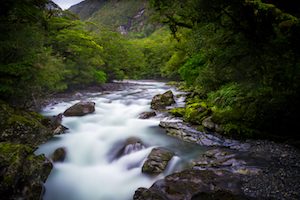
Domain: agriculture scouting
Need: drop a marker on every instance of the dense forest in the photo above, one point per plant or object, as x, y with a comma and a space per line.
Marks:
239, 59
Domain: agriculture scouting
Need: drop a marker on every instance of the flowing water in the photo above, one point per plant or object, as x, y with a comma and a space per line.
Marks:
92, 171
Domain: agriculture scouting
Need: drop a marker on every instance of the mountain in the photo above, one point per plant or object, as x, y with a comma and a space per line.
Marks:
126, 16
86, 9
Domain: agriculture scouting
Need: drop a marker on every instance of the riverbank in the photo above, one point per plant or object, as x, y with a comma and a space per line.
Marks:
231, 169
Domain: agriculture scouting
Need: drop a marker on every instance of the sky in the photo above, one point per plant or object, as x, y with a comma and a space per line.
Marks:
65, 4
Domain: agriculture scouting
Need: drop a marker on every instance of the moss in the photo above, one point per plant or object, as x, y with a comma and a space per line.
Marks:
196, 112
177, 112
21, 171
21, 120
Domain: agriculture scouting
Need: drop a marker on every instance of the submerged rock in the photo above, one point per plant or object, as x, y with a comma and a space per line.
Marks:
161, 101
80, 109
59, 155
157, 161
130, 145
194, 184
147, 115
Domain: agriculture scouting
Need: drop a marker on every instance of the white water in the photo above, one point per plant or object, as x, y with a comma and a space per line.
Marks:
89, 171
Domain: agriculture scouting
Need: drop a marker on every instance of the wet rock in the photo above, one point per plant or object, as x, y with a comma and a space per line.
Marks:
59, 155
147, 115
194, 184
80, 109
188, 134
184, 132
22, 173
161, 101
209, 124
132, 144
60, 130
225, 159
157, 161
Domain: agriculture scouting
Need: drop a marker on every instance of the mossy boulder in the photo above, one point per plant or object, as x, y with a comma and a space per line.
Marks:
19, 126
177, 112
161, 101
22, 173
195, 113
157, 161
80, 109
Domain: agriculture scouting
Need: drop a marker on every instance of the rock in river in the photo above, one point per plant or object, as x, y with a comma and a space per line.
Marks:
59, 155
157, 161
161, 101
147, 115
80, 109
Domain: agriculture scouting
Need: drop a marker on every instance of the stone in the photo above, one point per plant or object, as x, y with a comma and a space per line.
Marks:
209, 124
59, 155
161, 101
22, 173
194, 184
80, 109
147, 115
132, 144
60, 130
157, 161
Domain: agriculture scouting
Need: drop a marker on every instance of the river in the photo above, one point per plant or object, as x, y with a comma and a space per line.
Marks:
91, 171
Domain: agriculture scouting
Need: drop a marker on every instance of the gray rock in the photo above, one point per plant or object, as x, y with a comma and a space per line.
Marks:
147, 115
80, 109
59, 155
208, 123
161, 101
157, 161
194, 184
60, 130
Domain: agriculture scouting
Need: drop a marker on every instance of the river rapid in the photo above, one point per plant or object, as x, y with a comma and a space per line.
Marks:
91, 170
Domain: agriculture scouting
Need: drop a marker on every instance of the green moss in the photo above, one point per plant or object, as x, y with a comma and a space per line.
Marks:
21, 120
196, 112
177, 112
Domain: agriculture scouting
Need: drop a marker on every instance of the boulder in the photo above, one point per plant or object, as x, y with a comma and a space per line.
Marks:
80, 109
22, 173
192, 185
147, 115
161, 101
157, 161
59, 155
22, 127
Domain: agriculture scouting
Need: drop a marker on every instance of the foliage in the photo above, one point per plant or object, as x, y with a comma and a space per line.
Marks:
242, 58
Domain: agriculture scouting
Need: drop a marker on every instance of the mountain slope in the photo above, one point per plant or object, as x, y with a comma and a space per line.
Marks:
85, 9
125, 16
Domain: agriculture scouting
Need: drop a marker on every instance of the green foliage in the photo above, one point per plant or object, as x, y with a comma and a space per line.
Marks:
242, 59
